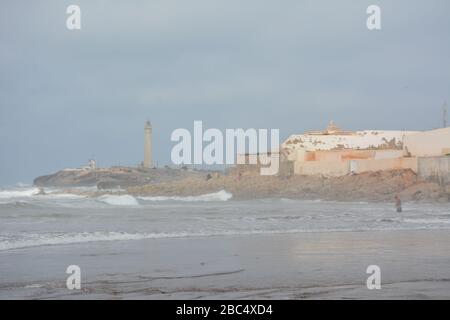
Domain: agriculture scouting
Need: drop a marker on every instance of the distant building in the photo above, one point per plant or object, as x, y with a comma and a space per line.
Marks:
432, 151
428, 143
148, 161
333, 138
331, 129
90, 166
335, 152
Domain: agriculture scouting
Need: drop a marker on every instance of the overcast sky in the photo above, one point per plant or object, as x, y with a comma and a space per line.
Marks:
67, 96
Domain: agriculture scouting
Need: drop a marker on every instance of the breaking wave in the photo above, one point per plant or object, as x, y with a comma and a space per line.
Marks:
217, 196
34, 193
46, 239
51, 239
119, 200
68, 196
427, 221
18, 193
56, 196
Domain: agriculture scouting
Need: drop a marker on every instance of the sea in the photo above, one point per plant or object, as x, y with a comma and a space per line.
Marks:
213, 246
29, 220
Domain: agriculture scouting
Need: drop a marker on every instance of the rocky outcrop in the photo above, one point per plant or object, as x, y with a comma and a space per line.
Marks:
115, 177
249, 184
369, 186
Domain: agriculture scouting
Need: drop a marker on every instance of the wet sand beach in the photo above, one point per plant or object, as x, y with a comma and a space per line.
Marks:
414, 265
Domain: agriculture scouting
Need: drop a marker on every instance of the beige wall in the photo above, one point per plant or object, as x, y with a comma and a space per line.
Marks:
428, 143
341, 162
359, 166
388, 154
340, 155
435, 169
326, 168
300, 155
341, 168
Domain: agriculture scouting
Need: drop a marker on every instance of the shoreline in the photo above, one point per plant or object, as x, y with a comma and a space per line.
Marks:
286, 266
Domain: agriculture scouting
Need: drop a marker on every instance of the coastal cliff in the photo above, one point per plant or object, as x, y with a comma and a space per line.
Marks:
115, 177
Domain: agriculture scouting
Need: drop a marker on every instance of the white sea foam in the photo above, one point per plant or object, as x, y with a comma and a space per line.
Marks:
18, 193
34, 286
119, 200
52, 239
25, 194
427, 221
217, 196
68, 196
46, 239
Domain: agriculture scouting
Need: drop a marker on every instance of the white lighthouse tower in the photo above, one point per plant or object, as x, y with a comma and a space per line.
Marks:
148, 162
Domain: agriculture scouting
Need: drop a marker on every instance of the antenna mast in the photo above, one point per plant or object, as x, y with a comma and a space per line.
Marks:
444, 114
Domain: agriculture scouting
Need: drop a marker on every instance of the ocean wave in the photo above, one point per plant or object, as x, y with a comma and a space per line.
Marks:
396, 220
46, 239
119, 200
34, 193
427, 221
34, 286
68, 196
18, 193
217, 196
52, 239
49, 239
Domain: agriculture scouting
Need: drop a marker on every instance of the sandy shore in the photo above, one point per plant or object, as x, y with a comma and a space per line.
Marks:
414, 265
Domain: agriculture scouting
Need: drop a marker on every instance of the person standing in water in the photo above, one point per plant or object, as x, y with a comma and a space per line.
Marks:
398, 203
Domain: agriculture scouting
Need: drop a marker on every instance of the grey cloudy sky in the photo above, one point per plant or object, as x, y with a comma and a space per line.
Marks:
67, 96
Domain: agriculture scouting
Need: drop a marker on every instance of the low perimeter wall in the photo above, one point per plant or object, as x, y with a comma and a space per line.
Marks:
434, 169
326, 168
341, 168
428, 143
359, 166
